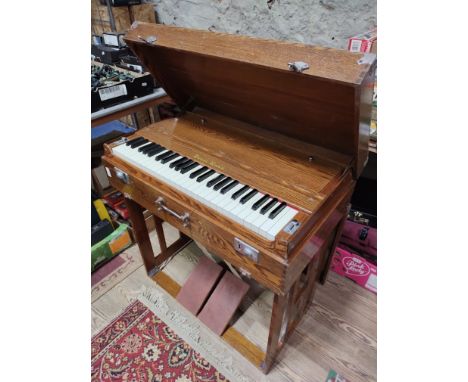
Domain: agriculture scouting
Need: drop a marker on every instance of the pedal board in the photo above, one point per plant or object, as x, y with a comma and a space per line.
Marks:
212, 295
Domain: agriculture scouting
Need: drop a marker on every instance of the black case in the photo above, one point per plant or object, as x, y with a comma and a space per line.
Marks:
100, 231
142, 84
109, 54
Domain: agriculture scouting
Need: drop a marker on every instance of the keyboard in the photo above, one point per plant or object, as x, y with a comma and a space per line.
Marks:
259, 212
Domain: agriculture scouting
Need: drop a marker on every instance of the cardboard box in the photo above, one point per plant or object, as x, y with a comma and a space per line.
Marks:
123, 16
110, 246
364, 43
356, 268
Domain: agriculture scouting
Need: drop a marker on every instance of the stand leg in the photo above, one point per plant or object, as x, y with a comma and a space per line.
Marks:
153, 264
278, 328
141, 234
328, 260
160, 232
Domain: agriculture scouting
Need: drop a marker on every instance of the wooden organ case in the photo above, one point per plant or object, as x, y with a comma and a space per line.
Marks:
252, 112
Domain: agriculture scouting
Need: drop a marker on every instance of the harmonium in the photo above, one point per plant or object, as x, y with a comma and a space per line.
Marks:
258, 168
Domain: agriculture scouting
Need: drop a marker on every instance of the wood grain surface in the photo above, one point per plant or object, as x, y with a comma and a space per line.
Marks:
252, 157
315, 188
216, 233
296, 136
333, 64
248, 79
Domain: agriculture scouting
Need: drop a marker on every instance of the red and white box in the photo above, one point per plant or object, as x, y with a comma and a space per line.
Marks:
364, 43
356, 268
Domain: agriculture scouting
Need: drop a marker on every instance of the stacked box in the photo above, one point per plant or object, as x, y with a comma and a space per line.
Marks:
110, 246
356, 268
123, 16
364, 42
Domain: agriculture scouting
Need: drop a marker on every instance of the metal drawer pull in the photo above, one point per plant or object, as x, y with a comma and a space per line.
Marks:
184, 218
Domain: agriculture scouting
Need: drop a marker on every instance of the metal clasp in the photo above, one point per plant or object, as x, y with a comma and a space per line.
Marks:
149, 39
184, 218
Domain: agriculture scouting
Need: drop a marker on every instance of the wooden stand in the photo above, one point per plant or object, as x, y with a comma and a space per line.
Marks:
153, 264
288, 309
310, 130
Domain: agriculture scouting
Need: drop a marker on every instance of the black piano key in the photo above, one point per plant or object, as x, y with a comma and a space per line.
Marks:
277, 210
144, 148
240, 192
218, 179
189, 167
173, 164
164, 155
270, 204
183, 165
247, 197
198, 172
134, 145
169, 158
260, 202
155, 151
230, 186
221, 184
201, 178
152, 147
134, 140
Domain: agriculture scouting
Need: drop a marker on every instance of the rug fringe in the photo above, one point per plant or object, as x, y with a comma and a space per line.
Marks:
213, 350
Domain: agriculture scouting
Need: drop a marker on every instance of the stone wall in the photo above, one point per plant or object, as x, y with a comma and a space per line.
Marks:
320, 22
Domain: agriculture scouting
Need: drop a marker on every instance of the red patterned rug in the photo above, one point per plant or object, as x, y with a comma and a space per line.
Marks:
138, 347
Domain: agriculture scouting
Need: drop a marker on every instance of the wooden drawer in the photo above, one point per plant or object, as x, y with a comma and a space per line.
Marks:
269, 270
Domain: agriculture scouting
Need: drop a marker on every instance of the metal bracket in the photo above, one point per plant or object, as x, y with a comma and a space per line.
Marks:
291, 227
246, 249
298, 66
148, 40
122, 175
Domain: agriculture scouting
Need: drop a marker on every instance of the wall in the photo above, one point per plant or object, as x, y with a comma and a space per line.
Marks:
320, 22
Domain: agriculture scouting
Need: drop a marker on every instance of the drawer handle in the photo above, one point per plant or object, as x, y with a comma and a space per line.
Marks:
184, 218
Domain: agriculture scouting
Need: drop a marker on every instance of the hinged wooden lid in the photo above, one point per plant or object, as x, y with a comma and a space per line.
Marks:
328, 104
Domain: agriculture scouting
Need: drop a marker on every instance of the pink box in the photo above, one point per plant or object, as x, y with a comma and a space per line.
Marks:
355, 268
364, 42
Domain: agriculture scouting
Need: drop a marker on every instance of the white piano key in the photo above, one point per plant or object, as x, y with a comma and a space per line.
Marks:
281, 223
259, 221
266, 226
223, 203
222, 200
247, 210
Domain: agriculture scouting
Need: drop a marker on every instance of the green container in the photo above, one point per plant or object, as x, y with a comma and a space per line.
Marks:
110, 246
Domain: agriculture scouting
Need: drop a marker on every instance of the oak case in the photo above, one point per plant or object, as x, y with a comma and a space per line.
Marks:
299, 136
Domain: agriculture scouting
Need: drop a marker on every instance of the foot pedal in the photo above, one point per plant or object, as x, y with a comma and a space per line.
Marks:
199, 285
223, 303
